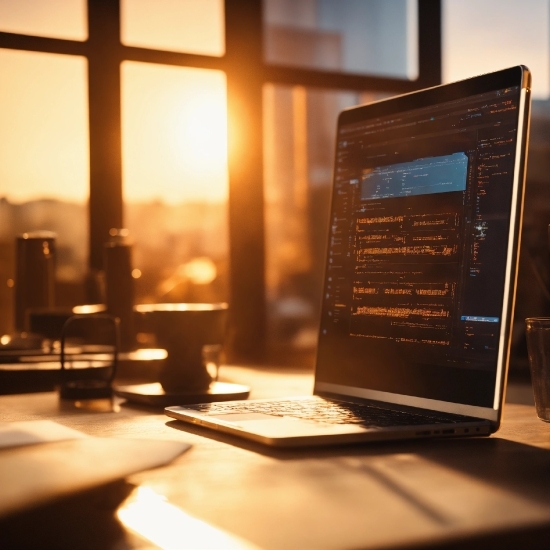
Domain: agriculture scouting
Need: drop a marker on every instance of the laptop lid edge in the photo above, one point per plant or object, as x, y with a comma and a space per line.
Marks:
514, 237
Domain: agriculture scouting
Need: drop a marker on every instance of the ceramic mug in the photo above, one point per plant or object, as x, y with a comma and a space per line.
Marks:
184, 329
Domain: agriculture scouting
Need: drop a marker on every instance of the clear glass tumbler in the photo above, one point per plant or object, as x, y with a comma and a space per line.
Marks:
538, 347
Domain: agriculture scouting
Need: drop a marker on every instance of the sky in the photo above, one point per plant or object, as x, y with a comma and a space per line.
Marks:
174, 120
480, 36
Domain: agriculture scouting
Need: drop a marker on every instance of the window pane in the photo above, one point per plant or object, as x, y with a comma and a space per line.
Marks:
174, 136
192, 26
479, 37
374, 37
44, 162
53, 18
299, 140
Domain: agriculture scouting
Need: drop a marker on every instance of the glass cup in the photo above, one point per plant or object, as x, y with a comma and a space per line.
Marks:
538, 347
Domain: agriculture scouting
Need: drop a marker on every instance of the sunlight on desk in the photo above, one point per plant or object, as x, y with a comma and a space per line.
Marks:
151, 516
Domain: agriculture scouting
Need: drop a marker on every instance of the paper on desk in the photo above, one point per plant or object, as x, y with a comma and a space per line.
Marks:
16, 434
69, 462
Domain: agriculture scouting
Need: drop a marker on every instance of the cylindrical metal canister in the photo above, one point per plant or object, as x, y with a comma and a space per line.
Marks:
119, 285
34, 274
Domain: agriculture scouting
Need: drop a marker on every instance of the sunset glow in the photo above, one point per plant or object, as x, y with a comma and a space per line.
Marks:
174, 133
174, 119
192, 26
44, 150
53, 18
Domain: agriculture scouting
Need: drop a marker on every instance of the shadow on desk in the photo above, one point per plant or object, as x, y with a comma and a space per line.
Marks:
85, 521
412, 469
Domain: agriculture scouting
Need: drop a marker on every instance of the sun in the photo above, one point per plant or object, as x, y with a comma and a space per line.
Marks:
201, 133
174, 134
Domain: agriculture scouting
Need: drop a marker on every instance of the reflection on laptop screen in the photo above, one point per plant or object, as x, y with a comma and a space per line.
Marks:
419, 231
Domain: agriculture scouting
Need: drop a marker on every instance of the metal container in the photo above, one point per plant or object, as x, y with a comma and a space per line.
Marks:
34, 274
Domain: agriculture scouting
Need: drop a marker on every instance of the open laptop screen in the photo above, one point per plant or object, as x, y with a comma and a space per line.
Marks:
421, 254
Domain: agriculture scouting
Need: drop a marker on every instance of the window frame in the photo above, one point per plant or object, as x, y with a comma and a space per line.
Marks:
246, 75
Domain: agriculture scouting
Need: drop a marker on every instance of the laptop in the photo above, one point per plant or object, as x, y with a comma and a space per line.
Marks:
421, 267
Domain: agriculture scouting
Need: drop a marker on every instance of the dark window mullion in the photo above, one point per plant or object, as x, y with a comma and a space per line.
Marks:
243, 21
161, 57
336, 81
105, 206
42, 44
429, 43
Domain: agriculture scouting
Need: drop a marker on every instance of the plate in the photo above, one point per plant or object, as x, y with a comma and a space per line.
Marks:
153, 394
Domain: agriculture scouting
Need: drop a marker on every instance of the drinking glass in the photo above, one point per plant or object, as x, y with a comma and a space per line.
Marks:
538, 347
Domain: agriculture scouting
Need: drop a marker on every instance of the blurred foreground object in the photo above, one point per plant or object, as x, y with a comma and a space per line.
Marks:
96, 381
538, 347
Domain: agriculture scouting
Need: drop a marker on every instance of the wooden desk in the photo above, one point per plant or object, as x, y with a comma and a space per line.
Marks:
436, 494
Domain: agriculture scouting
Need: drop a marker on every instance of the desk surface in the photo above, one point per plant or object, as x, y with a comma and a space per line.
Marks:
407, 494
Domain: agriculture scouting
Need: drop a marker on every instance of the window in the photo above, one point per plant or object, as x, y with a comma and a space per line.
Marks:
53, 18
174, 166
374, 37
133, 178
299, 137
480, 37
44, 163
174, 25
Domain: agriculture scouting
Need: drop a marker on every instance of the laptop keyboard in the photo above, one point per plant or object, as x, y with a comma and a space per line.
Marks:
332, 412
